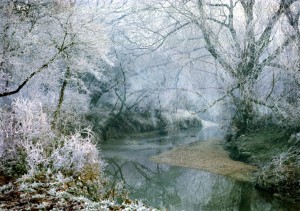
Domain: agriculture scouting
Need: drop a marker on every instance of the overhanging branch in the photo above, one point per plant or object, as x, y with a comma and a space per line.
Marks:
7, 93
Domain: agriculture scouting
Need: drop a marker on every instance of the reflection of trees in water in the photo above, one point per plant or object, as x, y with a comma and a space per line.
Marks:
187, 189
144, 182
225, 195
177, 188
135, 173
207, 191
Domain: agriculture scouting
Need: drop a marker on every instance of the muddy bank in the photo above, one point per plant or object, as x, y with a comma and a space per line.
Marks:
209, 156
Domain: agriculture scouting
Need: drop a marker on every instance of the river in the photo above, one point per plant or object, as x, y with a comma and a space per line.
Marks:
178, 188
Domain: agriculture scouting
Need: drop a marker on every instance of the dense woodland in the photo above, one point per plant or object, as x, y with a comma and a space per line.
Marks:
73, 72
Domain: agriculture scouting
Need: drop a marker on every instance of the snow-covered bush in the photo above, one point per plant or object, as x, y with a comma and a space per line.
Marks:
27, 141
76, 154
282, 175
180, 120
57, 171
34, 135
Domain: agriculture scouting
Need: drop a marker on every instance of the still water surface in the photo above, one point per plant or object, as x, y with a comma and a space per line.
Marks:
178, 188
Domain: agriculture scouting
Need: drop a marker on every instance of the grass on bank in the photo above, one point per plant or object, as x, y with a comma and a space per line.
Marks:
277, 154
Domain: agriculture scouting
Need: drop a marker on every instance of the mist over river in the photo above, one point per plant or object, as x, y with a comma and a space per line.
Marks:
179, 188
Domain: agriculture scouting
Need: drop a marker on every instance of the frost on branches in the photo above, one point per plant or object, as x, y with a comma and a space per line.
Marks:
53, 171
28, 145
44, 43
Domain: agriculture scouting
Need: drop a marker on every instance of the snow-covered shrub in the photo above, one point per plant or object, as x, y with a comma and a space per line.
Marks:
59, 171
77, 154
282, 175
26, 136
26, 139
32, 122
70, 121
12, 161
180, 120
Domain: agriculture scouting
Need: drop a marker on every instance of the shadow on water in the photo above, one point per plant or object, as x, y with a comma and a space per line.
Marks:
178, 188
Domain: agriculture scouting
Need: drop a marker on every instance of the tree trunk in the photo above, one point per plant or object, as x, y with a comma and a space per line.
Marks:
61, 97
244, 115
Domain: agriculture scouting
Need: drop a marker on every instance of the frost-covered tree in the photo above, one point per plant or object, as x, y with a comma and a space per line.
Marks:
146, 79
51, 44
247, 46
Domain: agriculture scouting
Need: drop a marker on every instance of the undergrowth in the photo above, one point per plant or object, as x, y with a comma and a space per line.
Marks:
49, 169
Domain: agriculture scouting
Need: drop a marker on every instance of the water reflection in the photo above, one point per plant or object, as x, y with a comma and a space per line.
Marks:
178, 188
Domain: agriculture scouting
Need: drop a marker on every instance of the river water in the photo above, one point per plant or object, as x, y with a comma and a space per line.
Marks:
178, 188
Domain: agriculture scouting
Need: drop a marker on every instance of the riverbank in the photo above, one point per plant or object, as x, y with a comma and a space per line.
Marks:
116, 126
57, 195
55, 191
268, 158
258, 147
43, 167
276, 152
209, 156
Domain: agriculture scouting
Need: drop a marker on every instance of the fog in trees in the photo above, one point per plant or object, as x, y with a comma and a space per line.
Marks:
207, 57
96, 70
